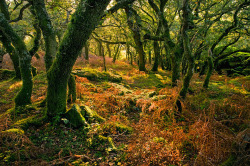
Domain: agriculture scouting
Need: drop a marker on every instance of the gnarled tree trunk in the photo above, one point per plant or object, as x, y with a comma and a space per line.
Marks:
23, 97
83, 22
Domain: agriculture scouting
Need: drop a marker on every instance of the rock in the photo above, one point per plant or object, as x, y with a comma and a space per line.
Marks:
159, 97
90, 115
101, 143
119, 127
95, 75
75, 117
151, 94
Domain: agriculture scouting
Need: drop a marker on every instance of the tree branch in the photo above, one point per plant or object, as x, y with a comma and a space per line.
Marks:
20, 17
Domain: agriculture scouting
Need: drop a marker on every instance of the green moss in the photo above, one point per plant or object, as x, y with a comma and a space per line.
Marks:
14, 130
95, 75
119, 127
75, 117
101, 143
24, 123
159, 140
6, 74
91, 115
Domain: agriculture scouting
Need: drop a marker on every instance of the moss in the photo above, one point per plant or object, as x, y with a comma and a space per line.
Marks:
230, 161
119, 127
6, 74
91, 115
209, 72
159, 140
24, 123
101, 143
14, 130
75, 117
72, 89
95, 75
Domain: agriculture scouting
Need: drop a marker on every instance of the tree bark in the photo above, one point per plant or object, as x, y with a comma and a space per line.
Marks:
135, 28
49, 34
72, 89
210, 69
187, 52
24, 95
86, 50
83, 22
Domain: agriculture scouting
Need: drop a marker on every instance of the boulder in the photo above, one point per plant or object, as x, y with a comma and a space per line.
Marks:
118, 127
75, 117
90, 115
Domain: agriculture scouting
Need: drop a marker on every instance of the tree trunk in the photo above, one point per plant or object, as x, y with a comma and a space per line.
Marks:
156, 52
23, 97
72, 89
49, 34
86, 51
187, 53
203, 68
209, 71
1, 57
135, 28
175, 63
12, 53
109, 51
87, 13
116, 53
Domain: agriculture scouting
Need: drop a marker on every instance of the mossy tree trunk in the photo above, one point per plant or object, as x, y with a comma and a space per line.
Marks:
83, 22
23, 97
135, 27
177, 50
49, 34
109, 51
210, 69
72, 89
116, 53
7, 42
187, 52
86, 50
157, 48
2, 52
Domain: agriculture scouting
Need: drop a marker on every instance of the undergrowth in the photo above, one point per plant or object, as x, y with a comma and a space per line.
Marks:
142, 126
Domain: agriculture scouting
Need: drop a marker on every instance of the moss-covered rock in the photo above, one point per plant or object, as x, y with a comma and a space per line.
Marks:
95, 75
90, 115
75, 117
118, 127
159, 97
101, 143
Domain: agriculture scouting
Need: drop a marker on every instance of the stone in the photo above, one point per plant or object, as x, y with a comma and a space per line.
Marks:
75, 117
90, 115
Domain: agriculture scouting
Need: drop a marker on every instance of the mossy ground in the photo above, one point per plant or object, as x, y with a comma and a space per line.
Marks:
140, 122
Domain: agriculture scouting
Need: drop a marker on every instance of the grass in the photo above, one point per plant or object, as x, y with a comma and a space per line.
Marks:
142, 127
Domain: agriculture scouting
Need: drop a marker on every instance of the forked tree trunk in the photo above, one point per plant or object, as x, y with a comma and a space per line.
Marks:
24, 95
135, 28
187, 52
83, 22
49, 34
12, 53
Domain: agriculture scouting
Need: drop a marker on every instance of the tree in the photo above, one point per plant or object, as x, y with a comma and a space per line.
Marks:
24, 95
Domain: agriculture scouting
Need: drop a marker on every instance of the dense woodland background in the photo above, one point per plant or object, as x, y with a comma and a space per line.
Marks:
125, 82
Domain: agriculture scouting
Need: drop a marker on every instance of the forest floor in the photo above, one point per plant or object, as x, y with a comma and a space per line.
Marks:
212, 129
